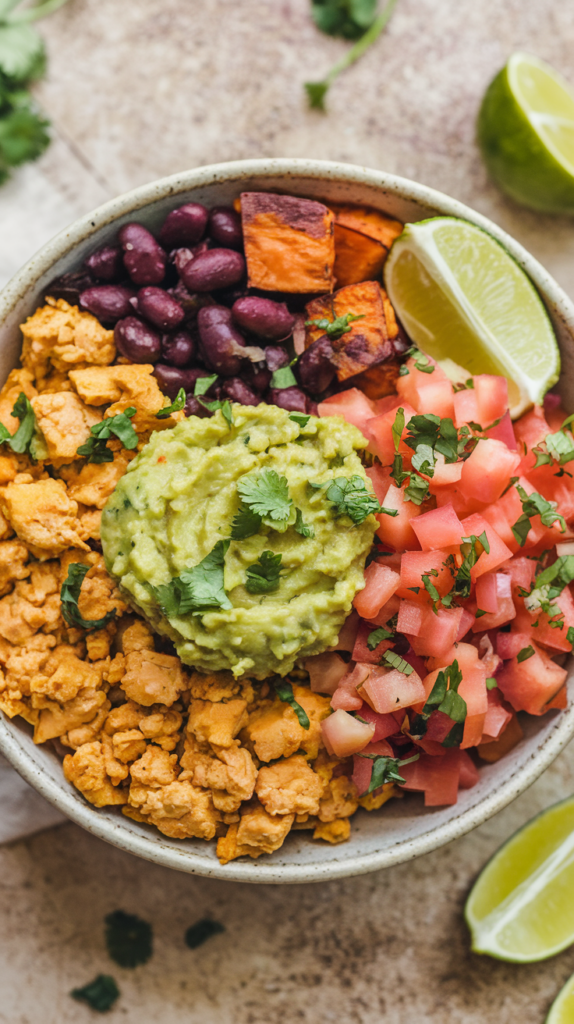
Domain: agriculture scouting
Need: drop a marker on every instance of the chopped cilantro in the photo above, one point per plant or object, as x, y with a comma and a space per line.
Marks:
471, 550
263, 576
534, 505
403, 370
395, 661
96, 448
284, 691
417, 490
301, 526
203, 384
424, 460
69, 595
398, 474
175, 406
480, 612
19, 442
558, 447
398, 427
100, 994
422, 362
337, 327
438, 434
444, 697
351, 498
283, 378
245, 524
201, 931
491, 683
570, 635
198, 589
267, 495
128, 939
386, 769
431, 591
377, 636
525, 653
299, 418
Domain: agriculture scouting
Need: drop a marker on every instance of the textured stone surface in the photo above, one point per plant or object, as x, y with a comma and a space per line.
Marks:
138, 90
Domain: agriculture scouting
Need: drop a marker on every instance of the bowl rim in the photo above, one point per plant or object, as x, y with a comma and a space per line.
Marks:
184, 858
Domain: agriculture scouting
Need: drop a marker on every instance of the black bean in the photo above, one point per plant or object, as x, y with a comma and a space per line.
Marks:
256, 376
191, 302
193, 407
219, 340
225, 227
178, 349
172, 378
109, 302
144, 259
69, 286
276, 357
263, 317
106, 264
184, 226
292, 399
137, 341
216, 268
237, 390
181, 257
161, 309
314, 370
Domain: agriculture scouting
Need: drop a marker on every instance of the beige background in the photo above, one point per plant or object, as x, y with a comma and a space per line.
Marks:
138, 89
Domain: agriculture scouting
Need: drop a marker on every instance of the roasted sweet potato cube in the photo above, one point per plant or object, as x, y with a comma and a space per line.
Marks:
369, 340
289, 243
357, 257
368, 221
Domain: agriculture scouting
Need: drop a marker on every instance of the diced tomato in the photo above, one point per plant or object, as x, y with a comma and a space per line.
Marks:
387, 611
415, 565
409, 385
348, 632
499, 553
493, 750
385, 725
438, 633
380, 436
560, 701
362, 771
353, 405
380, 584
361, 650
388, 690
508, 645
491, 397
473, 690
439, 528
465, 407
497, 716
446, 474
504, 431
462, 504
325, 671
529, 685
539, 623
487, 471
437, 777
435, 396
397, 530
343, 734
486, 593
504, 614
380, 477
346, 696
438, 727
468, 776
467, 621
410, 620
530, 430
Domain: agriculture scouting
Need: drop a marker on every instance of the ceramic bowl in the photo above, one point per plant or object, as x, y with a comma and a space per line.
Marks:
403, 828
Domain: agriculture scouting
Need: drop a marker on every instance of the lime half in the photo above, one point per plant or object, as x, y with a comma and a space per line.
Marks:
462, 297
526, 134
521, 908
562, 1009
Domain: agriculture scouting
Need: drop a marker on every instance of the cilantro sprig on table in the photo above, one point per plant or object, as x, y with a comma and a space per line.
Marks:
20, 441
129, 939
196, 590
444, 697
69, 597
96, 450
99, 994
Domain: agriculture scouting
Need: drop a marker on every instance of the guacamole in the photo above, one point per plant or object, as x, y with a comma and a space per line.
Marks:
223, 537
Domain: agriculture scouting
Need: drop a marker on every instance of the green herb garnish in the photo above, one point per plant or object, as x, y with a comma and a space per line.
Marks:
386, 769
266, 494
202, 386
395, 661
128, 939
283, 378
245, 524
570, 635
300, 418
351, 498
377, 636
471, 549
69, 596
337, 327
96, 448
444, 697
100, 994
525, 653
301, 526
23, 411
263, 576
491, 683
284, 691
196, 590
175, 406
201, 931
535, 505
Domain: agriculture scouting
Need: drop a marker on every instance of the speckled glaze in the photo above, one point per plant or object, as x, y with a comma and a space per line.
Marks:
403, 829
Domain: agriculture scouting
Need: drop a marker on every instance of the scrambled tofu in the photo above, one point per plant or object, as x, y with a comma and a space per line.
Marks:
43, 516
290, 787
125, 386
60, 337
65, 423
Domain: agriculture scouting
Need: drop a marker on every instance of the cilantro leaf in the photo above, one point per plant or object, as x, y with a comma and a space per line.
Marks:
337, 327
100, 994
491, 683
300, 418
283, 378
175, 406
351, 498
267, 495
386, 769
69, 596
431, 591
444, 697
264, 575
395, 661
21, 52
199, 589
398, 474
96, 450
424, 459
129, 939
377, 636
301, 526
471, 550
433, 432
570, 635
245, 524
534, 505
347, 18
284, 691
398, 427
417, 489
19, 442
203, 384
525, 653
201, 931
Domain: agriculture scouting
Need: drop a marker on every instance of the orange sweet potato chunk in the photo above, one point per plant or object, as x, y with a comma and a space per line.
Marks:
289, 243
357, 257
368, 221
369, 341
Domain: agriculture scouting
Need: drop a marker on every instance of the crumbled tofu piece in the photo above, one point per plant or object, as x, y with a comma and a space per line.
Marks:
55, 720
258, 832
86, 733
153, 678
216, 723
230, 775
373, 801
340, 799
18, 381
26, 661
155, 767
86, 771
99, 593
127, 716
64, 675
91, 483
274, 730
289, 787
34, 604
13, 563
338, 831
137, 637
8, 466
65, 423
128, 745
179, 810
216, 687
43, 516
116, 769
125, 386
58, 336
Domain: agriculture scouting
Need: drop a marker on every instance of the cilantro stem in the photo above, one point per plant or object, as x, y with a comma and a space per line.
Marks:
316, 91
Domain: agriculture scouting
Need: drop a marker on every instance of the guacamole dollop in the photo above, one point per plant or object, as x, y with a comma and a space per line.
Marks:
193, 531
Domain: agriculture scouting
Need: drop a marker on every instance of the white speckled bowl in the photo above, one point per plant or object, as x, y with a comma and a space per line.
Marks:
403, 828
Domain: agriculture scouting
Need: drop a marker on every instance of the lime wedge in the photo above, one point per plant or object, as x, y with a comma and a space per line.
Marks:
562, 1009
521, 907
526, 134
461, 297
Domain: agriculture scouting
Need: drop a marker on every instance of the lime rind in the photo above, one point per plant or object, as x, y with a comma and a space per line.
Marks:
562, 1009
531, 368
530, 896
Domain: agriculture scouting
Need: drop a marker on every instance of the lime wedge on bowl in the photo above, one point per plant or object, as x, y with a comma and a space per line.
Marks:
462, 297
562, 1009
526, 134
521, 908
